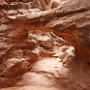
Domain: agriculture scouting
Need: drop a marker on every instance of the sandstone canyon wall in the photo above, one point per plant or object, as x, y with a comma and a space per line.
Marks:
44, 44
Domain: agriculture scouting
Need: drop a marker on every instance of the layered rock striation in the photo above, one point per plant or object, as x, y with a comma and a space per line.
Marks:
45, 43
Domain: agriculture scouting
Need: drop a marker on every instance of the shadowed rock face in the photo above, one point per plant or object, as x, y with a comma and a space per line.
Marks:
44, 44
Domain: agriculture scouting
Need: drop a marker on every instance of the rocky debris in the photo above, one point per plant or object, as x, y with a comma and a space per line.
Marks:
47, 44
14, 66
44, 39
33, 54
68, 56
20, 59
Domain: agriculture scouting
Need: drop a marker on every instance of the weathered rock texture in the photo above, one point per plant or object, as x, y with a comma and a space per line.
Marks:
45, 43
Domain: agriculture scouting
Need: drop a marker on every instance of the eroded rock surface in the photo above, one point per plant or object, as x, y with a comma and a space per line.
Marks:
30, 88
44, 44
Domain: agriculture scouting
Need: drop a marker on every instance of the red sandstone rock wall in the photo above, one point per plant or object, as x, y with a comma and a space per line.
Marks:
45, 43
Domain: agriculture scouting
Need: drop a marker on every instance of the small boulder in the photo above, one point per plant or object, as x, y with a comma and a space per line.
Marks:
14, 66
47, 44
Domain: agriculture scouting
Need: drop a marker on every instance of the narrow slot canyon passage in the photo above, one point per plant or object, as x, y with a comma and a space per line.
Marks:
44, 45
